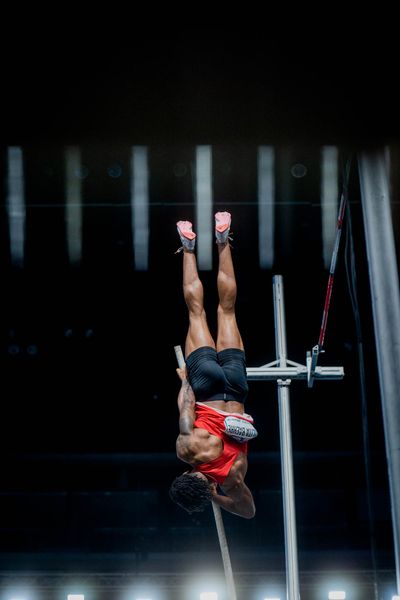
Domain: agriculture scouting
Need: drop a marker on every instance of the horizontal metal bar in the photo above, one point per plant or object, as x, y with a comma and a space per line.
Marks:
300, 372
274, 363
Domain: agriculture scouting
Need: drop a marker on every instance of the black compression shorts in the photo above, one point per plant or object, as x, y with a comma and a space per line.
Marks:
217, 376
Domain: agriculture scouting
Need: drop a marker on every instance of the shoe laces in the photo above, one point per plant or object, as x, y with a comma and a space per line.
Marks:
228, 240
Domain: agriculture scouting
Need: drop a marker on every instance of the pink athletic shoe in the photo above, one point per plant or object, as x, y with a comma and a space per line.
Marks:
188, 237
222, 226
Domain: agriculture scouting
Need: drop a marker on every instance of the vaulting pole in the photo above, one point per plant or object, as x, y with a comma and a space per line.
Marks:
384, 282
223, 544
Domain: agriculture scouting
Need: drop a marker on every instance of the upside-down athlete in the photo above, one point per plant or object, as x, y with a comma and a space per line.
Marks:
214, 430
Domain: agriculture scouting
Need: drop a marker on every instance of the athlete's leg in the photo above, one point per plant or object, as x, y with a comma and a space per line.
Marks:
228, 331
198, 333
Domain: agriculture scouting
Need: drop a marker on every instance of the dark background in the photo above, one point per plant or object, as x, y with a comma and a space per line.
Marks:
89, 415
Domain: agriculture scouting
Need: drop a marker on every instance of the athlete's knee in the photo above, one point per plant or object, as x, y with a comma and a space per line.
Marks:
197, 316
226, 307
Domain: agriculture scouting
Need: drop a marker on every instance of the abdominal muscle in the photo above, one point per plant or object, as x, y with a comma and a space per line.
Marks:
231, 406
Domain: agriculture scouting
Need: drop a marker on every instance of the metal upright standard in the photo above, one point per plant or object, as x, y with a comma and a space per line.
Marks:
385, 294
283, 371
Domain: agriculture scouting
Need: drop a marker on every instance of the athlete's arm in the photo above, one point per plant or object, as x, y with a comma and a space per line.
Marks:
186, 405
238, 501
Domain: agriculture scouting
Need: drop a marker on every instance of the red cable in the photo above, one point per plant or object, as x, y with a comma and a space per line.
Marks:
332, 272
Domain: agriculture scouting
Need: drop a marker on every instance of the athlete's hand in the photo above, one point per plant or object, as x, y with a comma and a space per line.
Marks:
213, 488
182, 373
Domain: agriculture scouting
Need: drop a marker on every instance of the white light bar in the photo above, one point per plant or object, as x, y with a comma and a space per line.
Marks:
140, 206
16, 204
75, 597
266, 205
337, 595
329, 200
73, 208
209, 596
203, 195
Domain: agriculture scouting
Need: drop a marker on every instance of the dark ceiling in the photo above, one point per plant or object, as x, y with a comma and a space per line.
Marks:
201, 84
88, 368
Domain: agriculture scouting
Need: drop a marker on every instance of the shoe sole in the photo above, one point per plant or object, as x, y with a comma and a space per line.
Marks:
184, 230
224, 221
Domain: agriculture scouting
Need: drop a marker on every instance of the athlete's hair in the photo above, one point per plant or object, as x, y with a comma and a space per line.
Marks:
191, 492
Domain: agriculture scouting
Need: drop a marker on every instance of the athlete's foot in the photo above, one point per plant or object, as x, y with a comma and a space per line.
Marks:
188, 237
222, 227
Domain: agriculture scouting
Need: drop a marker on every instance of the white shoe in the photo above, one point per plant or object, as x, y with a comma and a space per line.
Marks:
188, 237
222, 227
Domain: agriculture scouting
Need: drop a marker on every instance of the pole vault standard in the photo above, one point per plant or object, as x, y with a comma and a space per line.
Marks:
223, 544
283, 371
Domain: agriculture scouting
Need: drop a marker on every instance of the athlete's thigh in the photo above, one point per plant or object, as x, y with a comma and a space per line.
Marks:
228, 331
198, 334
